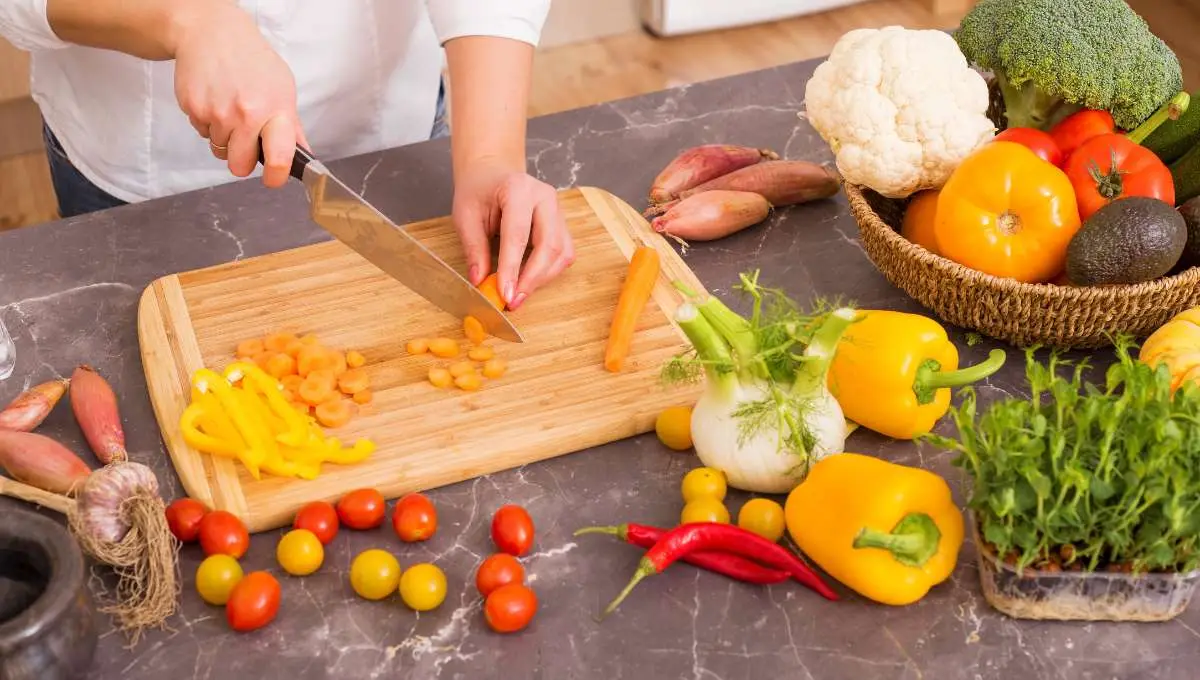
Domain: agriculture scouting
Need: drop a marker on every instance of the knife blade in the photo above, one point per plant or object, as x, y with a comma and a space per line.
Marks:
363, 228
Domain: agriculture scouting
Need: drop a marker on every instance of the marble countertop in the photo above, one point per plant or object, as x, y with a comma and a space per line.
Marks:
68, 293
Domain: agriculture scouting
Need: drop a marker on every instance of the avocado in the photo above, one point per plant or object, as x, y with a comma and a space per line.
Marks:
1191, 216
1174, 138
1130, 240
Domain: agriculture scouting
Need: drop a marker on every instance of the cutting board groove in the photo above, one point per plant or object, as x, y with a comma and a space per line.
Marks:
556, 397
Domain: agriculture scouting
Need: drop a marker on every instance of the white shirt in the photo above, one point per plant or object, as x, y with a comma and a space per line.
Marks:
367, 75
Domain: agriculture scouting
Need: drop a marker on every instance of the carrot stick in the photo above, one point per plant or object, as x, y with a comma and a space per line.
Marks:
635, 292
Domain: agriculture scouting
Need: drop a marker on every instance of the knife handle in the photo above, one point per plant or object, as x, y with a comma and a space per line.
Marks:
300, 160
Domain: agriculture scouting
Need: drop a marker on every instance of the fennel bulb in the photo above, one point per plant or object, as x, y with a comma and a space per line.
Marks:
766, 413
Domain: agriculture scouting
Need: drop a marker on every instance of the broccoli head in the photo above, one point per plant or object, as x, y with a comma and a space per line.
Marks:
1054, 57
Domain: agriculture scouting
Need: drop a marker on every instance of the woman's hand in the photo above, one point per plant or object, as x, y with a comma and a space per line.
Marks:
492, 198
235, 89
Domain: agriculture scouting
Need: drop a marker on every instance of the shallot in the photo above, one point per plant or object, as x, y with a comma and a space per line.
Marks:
31, 407
40, 461
95, 406
780, 182
712, 215
702, 163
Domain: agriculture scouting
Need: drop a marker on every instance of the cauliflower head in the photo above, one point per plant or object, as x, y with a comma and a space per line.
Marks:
900, 108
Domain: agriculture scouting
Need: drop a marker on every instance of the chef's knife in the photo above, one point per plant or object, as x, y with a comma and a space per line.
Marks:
368, 232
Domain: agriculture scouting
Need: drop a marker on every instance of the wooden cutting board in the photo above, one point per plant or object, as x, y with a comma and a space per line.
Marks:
556, 397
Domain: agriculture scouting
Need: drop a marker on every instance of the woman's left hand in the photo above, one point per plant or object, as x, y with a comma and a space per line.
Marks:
493, 198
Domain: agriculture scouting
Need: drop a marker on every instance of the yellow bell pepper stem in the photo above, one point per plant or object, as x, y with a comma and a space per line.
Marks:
913, 541
893, 370
889, 532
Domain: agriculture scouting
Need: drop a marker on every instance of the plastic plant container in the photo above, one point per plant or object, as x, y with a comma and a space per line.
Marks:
1081, 596
8, 353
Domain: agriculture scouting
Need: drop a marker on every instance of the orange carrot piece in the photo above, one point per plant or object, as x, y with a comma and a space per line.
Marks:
314, 392
417, 346
291, 382
494, 368
635, 292
443, 347
248, 349
440, 377
310, 339
353, 380
325, 376
469, 381
311, 358
480, 353
334, 413
280, 365
362, 396
264, 358
474, 331
490, 287
278, 342
355, 359
461, 367
293, 348
337, 361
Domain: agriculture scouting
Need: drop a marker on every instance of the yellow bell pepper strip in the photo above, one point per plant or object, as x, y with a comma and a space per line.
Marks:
893, 370
189, 423
297, 429
255, 452
889, 532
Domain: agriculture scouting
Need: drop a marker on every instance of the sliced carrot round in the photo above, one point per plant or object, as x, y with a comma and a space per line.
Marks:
324, 376
353, 380
314, 392
474, 330
334, 413
278, 342
481, 353
469, 381
443, 347
311, 358
280, 365
248, 349
337, 362
291, 382
440, 377
494, 368
293, 348
355, 359
461, 368
363, 397
310, 339
417, 346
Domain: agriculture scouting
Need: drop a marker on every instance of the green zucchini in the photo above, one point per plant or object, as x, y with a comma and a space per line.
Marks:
1174, 138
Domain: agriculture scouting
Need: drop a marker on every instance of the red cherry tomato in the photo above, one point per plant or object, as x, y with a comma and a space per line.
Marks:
1040, 143
222, 533
496, 571
361, 509
183, 518
510, 608
253, 602
1077, 128
414, 518
512, 530
320, 518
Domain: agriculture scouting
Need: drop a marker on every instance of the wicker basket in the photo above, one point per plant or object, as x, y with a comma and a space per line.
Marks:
1019, 313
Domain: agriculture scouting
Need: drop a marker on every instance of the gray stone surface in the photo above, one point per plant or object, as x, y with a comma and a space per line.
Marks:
68, 293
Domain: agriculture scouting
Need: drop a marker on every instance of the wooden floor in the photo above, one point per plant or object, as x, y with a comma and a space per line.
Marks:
587, 73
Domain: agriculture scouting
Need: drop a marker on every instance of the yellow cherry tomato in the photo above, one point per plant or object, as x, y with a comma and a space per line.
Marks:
215, 578
703, 483
764, 517
374, 574
300, 552
674, 428
704, 510
423, 587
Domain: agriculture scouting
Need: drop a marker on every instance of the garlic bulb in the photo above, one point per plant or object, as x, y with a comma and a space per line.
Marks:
103, 496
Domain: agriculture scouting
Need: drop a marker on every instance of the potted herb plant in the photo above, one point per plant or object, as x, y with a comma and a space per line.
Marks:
1085, 498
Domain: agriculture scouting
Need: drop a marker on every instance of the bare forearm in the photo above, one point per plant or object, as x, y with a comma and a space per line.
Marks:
489, 96
149, 29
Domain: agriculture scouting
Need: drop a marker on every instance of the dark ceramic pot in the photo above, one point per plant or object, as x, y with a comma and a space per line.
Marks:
47, 621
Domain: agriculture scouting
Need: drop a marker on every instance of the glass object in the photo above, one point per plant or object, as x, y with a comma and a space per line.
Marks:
8, 353
1079, 596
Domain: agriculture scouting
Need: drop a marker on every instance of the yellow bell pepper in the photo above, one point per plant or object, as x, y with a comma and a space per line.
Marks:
190, 425
893, 371
889, 532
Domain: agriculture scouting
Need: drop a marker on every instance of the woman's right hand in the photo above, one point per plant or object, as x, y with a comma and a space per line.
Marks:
235, 89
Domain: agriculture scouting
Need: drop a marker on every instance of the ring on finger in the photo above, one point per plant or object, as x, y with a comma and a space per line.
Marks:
217, 147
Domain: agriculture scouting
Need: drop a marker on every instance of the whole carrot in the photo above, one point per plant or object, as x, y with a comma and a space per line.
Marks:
733, 566
635, 292
95, 407
694, 537
31, 407
699, 164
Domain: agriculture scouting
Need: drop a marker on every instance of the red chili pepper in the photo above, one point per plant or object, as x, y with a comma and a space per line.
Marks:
688, 539
733, 566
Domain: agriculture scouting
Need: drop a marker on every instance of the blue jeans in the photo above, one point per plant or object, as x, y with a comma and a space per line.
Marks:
77, 195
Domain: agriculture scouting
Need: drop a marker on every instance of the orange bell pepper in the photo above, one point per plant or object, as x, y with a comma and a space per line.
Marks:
1006, 212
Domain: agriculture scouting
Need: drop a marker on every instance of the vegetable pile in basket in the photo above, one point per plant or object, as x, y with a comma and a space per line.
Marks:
1083, 176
